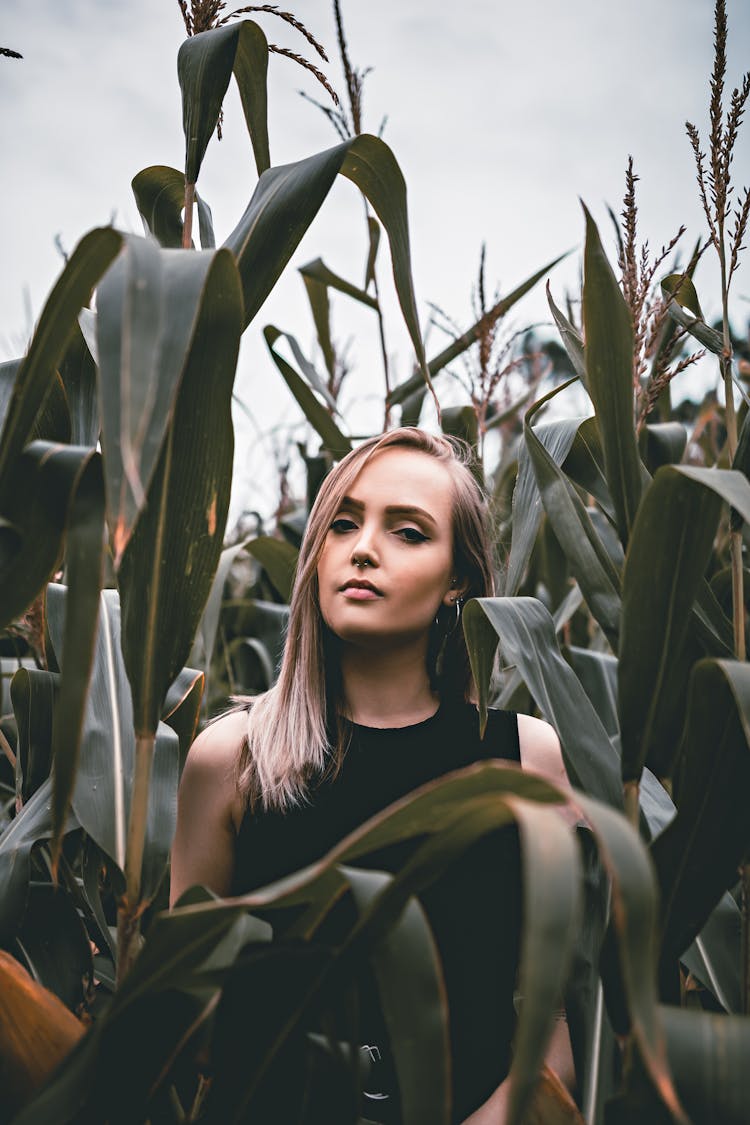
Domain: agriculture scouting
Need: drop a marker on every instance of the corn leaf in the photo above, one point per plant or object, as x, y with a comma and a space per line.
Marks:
84, 571
32, 824
584, 465
634, 918
571, 338
182, 708
205, 64
588, 560
669, 550
315, 412
286, 201
319, 271
160, 197
609, 378
411, 991
695, 862
552, 913
664, 578
169, 561
32, 693
557, 438
714, 957
152, 306
53, 421
663, 443
708, 1057
462, 343
37, 372
373, 228
101, 797
526, 633
78, 375
51, 485
278, 559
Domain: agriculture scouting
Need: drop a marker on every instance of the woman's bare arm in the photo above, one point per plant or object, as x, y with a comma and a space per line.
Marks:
208, 810
540, 750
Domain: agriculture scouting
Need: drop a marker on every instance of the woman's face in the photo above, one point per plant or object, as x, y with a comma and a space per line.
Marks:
397, 520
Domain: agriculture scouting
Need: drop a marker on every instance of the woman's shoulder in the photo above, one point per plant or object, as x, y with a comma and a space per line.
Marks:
220, 741
540, 749
211, 764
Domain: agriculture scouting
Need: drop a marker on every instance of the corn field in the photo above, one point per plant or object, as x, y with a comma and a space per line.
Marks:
129, 616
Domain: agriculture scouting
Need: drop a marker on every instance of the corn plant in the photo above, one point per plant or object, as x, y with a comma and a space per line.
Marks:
115, 465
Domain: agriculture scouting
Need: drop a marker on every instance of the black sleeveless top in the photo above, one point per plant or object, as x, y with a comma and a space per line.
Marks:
474, 908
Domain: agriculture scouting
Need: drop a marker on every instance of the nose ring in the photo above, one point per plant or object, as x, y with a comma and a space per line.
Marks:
361, 563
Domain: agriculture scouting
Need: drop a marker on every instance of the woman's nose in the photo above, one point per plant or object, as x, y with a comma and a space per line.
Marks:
364, 549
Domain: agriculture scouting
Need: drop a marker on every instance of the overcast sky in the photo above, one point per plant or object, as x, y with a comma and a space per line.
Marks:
501, 116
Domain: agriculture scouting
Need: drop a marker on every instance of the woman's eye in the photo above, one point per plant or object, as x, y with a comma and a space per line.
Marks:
411, 535
342, 524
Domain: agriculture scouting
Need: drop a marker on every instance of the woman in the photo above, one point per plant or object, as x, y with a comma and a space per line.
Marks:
372, 701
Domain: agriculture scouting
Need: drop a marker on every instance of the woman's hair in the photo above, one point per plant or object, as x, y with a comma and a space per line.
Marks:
296, 729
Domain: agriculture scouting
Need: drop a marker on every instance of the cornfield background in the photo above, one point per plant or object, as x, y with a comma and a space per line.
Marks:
127, 619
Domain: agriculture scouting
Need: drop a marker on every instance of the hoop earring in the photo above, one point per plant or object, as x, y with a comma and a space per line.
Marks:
440, 657
458, 602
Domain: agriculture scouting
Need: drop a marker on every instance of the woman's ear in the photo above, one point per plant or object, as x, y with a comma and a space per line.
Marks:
458, 589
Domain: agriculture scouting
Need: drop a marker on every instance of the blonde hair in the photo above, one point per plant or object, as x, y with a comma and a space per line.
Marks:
290, 727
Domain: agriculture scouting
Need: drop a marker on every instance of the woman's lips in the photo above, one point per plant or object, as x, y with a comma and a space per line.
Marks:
360, 593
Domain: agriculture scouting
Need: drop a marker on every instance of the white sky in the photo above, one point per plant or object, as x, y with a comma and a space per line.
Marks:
500, 115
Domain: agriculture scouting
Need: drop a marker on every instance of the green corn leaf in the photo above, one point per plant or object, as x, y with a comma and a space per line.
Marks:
278, 559
663, 443
319, 271
286, 201
714, 957
317, 414
32, 692
634, 918
160, 196
411, 991
557, 438
462, 343
373, 228
56, 324
609, 378
320, 306
154, 308
50, 487
205, 64
585, 465
695, 862
712, 340
552, 915
53, 421
708, 1057
461, 422
669, 550
31, 825
170, 559
178, 944
681, 288
84, 571
78, 375
589, 562
526, 634
571, 338
205, 637
597, 672
103, 781
182, 708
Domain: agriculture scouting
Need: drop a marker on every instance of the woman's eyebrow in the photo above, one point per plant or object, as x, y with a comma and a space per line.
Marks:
392, 509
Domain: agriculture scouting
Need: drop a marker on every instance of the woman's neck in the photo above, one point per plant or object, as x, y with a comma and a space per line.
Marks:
389, 689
